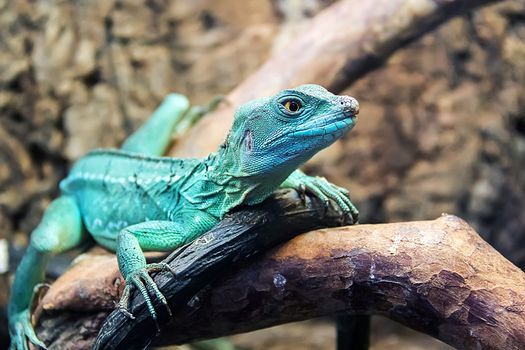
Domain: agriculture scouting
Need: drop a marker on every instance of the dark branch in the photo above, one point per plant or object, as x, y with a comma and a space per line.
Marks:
238, 237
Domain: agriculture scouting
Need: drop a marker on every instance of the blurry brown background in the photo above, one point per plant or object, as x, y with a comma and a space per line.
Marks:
441, 129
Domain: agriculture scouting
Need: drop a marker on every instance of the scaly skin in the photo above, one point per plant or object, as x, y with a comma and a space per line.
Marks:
132, 200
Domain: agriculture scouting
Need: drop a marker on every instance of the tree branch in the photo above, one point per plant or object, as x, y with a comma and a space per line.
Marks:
235, 239
438, 277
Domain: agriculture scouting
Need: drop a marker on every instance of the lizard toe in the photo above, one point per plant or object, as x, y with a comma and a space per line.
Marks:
22, 332
124, 302
326, 191
146, 286
153, 286
160, 267
137, 282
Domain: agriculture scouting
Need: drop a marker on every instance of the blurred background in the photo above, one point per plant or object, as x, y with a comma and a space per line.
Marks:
441, 129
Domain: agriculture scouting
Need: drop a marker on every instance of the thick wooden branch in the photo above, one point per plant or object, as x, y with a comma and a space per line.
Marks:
438, 277
342, 43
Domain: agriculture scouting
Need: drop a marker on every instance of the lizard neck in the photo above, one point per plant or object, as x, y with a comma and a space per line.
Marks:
238, 187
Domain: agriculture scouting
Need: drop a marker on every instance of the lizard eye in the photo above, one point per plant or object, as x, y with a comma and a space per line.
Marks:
292, 105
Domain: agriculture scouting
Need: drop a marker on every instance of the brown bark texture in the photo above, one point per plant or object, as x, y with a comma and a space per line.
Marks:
437, 276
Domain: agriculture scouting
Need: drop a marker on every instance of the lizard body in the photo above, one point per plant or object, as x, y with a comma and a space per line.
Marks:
133, 199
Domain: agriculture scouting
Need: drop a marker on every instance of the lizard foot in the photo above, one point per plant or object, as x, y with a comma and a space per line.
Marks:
141, 280
324, 190
21, 331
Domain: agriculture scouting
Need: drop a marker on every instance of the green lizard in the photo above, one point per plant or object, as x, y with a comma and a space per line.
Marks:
133, 200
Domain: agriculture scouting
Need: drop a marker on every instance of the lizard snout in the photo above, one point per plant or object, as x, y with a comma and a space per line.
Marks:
349, 104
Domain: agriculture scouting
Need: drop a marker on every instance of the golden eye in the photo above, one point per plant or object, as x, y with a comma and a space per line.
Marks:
292, 105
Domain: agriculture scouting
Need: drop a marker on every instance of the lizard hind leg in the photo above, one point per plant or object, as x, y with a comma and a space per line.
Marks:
194, 114
172, 119
154, 137
60, 229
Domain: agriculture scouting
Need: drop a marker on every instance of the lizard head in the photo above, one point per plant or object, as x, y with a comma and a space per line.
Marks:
275, 135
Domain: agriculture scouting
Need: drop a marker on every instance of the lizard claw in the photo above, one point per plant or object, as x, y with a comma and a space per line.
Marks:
302, 193
326, 192
341, 196
38, 292
126, 312
142, 281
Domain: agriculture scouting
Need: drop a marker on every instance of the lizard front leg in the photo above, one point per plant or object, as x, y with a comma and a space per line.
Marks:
60, 230
324, 190
153, 236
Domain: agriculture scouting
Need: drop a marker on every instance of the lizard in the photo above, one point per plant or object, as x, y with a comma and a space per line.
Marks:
134, 199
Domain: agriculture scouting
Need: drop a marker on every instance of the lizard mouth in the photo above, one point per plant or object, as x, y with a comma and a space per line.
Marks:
330, 126
327, 126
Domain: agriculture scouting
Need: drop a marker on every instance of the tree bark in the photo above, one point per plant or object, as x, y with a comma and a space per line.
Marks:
438, 277
343, 43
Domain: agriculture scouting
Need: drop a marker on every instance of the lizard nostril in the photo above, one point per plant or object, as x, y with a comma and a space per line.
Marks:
349, 104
